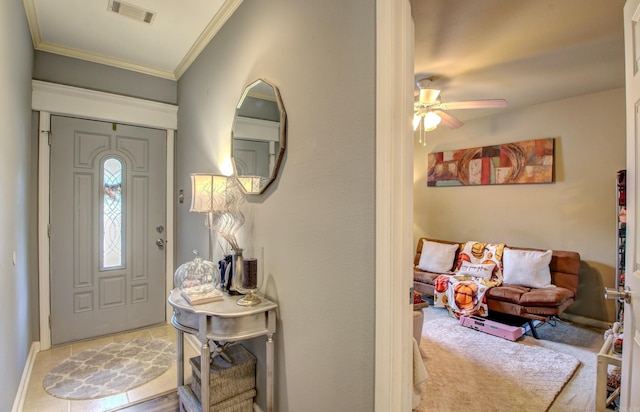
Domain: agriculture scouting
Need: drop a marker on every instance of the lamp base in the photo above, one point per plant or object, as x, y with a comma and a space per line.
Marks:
250, 299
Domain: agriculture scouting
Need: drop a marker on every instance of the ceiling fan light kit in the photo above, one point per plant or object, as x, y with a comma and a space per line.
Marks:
429, 110
429, 95
426, 122
431, 121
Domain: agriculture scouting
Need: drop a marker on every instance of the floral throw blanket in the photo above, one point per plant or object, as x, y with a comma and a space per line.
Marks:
479, 267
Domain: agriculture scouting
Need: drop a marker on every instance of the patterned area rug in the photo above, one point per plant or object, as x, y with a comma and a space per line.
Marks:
474, 371
110, 369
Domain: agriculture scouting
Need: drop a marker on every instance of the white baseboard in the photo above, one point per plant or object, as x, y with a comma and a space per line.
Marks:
21, 394
585, 321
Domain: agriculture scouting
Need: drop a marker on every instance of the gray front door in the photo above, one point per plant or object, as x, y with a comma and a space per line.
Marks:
252, 157
107, 205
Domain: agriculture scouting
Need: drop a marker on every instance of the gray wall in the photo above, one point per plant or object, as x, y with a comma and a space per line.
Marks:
18, 300
54, 68
316, 222
577, 212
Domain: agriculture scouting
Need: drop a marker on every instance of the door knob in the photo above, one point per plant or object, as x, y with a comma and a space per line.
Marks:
160, 243
622, 295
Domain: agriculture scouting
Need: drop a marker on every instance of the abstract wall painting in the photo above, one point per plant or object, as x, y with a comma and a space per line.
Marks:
530, 161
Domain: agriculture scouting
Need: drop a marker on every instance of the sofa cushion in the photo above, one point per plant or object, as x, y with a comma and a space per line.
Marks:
437, 257
546, 297
507, 293
526, 267
525, 296
425, 277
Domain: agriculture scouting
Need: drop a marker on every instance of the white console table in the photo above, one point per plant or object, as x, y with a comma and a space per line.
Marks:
222, 321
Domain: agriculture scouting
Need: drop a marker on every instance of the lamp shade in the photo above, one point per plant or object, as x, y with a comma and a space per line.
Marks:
416, 122
431, 121
208, 192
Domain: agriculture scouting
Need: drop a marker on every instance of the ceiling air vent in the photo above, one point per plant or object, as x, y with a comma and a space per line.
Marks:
131, 10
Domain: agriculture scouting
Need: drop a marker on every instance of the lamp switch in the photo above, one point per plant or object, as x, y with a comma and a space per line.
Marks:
13, 258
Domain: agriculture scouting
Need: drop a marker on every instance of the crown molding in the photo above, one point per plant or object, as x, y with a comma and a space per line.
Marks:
221, 17
32, 20
101, 59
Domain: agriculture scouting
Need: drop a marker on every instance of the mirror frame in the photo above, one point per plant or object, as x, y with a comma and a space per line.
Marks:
282, 132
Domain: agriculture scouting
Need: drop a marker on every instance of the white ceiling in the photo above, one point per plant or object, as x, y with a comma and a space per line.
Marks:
86, 29
525, 51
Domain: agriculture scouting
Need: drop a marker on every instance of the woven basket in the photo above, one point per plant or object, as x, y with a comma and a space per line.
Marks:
239, 403
226, 380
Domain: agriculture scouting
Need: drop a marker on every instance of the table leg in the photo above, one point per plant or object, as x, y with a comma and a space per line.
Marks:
205, 360
601, 384
180, 356
270, 372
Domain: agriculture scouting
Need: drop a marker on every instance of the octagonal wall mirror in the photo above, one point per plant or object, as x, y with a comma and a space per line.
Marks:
258, 137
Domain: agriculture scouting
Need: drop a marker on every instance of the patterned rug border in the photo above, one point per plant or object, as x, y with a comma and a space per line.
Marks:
110, 369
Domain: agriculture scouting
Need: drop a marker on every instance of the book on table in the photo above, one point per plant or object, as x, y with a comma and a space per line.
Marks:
199, 297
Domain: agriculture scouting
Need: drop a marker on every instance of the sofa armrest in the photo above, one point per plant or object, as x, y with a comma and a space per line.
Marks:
565, 270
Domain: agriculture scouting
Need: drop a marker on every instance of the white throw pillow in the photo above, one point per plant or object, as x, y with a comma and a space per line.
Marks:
478, 270
528, 268
437, 257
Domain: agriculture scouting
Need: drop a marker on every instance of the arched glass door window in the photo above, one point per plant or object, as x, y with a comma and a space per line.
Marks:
112, 214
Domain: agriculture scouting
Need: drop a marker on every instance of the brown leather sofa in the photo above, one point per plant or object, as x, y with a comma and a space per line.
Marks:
522, 302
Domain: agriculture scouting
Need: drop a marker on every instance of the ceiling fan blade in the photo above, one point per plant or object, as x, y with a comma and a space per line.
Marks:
448, 120
474, 104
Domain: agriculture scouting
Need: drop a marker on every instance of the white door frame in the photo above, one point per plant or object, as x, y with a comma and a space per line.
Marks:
630, 372
50, 98
394, 206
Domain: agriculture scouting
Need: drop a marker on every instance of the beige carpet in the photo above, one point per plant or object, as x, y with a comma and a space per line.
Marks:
110, 369
474, 371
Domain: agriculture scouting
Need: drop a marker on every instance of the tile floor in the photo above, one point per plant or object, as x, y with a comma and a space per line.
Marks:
37, 399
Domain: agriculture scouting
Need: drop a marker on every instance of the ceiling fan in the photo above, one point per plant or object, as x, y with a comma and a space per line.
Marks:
429, 110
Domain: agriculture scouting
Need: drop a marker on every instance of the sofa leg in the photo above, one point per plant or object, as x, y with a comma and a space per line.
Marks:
532, 328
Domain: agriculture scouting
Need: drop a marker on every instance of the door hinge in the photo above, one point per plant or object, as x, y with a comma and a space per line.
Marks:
48, 132
411, 289
49, 229
49, 321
